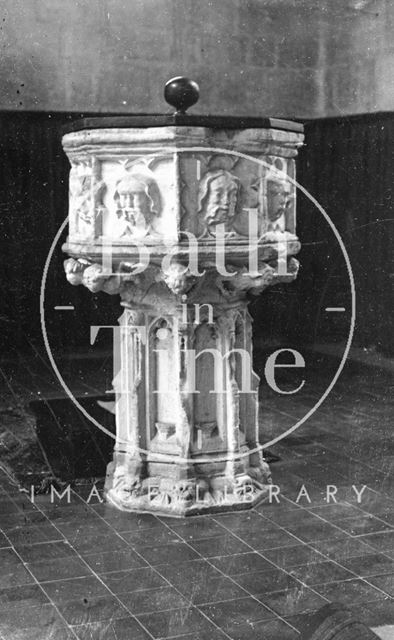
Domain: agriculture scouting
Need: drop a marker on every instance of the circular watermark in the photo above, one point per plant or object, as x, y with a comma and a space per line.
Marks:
301, 421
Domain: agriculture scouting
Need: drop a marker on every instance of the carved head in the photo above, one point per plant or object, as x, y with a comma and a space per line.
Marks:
178, 278
278, 199
94, 277
218, 198
137, 198
74, 271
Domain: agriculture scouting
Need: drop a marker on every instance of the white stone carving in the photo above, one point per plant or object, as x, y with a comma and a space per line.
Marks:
181, 449
277, 202
85, 189
219, 200
138, 201
279, 199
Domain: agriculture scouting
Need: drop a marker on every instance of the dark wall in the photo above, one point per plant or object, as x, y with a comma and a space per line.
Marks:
347, 164
33, 204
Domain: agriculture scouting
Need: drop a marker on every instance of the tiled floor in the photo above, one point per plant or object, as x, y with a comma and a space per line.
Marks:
88, 571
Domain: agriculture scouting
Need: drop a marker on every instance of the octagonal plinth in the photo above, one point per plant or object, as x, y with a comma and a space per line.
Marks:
186, 224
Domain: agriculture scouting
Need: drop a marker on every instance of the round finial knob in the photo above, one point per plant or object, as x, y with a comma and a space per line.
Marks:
181, 93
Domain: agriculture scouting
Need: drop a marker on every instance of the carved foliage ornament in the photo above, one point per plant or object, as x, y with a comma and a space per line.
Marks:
177, 278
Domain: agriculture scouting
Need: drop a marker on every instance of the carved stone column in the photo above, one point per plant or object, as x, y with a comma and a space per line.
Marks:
187, 218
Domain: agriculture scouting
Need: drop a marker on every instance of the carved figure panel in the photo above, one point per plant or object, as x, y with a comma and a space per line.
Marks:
138, 202
279, 199
85, 190
247, 198
219, 200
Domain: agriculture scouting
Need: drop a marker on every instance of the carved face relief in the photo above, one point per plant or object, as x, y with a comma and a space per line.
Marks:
218, 198
277, 204
74, 271
137, 199
93, 277
178, 279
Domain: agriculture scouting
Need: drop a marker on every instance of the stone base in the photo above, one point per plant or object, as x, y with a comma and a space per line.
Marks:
189, 497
